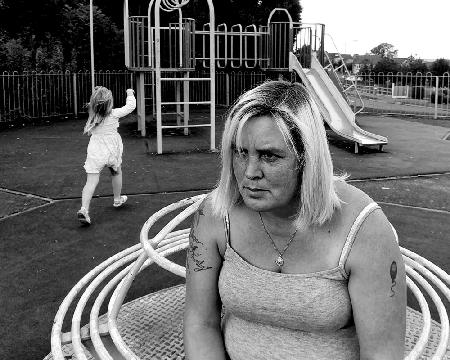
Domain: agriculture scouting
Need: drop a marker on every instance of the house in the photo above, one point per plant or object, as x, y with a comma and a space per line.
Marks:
335, 59
367, 60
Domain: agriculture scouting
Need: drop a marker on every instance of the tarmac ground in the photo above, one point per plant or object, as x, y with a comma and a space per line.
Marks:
44, 251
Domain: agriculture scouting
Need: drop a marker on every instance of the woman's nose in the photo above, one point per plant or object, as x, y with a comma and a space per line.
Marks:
253, 169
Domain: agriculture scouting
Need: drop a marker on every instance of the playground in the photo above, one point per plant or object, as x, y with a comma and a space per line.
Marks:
171, 153
44, 250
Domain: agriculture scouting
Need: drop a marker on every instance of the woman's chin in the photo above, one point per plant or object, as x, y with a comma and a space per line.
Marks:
256, 204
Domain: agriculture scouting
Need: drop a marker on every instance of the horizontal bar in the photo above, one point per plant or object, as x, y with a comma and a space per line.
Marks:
186, 102
184, 126
172, 113
186, 79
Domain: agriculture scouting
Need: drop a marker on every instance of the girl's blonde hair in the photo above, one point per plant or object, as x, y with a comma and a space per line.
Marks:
99, 107
301, 124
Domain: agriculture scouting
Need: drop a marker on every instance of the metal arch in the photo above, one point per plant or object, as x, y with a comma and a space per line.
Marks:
225, 35
157, 68
280, 9
171, 5
255, 46
239, 26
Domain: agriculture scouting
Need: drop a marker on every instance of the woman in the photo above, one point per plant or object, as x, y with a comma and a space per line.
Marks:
286, 260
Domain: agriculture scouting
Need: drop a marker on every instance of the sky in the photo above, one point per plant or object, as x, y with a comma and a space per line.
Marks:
418, 28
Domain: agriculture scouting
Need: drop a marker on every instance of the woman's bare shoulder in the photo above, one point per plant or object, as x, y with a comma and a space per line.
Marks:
375, 231
208, 224
351, 196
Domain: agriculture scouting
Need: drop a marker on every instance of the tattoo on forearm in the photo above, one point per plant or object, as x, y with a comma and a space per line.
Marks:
195, 246
393, 277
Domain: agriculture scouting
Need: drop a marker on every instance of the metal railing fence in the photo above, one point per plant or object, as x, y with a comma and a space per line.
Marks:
36, 95
404, 93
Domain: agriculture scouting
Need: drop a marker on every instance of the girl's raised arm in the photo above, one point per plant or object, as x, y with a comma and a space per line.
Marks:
130, 105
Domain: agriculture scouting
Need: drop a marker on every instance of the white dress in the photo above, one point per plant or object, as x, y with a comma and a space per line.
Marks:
105, 145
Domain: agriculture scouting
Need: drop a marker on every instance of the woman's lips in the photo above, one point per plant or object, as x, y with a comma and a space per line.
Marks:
253, 189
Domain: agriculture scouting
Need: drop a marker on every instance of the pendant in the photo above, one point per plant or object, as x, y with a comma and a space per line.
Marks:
279, 261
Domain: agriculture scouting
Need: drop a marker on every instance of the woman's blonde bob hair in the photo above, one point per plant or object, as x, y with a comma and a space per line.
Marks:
301, 124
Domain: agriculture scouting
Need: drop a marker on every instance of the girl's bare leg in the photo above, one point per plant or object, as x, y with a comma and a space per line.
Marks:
116, 180
88, 190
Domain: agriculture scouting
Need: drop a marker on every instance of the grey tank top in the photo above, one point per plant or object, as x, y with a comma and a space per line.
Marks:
269, 315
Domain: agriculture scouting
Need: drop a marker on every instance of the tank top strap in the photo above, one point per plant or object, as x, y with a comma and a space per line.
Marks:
354, 230
226, 222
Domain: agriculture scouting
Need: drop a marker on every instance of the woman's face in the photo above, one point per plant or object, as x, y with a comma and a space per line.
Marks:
265, 168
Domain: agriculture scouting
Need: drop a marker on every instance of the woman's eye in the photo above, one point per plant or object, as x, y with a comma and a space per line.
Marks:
240, 153
269, 157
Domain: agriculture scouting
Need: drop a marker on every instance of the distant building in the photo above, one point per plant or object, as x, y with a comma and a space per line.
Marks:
335, 59
364, 61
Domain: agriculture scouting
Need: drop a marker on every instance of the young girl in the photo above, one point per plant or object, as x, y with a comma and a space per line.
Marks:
105, 146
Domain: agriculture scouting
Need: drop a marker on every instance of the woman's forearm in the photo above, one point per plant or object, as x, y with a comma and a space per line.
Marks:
203, 342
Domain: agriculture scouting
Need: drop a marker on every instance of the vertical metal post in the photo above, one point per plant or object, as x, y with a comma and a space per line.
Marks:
91, 31
138, 102
186, 103
141, 94
227, 89
126, 33
177, 100
212, 73
75, 97
436, 96
158, 78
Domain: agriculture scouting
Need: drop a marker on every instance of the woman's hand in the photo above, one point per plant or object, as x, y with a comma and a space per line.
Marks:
130, 92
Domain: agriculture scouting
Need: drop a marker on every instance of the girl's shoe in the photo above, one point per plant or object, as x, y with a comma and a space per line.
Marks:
83, 216
118, 203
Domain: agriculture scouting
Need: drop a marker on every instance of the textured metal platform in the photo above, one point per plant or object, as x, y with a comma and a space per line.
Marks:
152, 326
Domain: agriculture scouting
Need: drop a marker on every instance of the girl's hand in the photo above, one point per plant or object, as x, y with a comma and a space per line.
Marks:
130, 92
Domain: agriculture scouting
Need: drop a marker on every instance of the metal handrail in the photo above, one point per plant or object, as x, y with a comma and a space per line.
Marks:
353, 85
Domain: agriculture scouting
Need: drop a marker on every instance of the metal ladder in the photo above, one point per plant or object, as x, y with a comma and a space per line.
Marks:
344, 88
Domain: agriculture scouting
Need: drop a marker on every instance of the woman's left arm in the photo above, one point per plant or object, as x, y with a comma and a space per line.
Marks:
377, 288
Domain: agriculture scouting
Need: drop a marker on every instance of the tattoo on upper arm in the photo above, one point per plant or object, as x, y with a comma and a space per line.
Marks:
393, 277
195, 246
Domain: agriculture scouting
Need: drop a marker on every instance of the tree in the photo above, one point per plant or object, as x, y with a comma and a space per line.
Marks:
14, 56
440, 66
54, 34
413, 65
50, 57
386, 65
108, 38
385, 50
366, 67
245, 13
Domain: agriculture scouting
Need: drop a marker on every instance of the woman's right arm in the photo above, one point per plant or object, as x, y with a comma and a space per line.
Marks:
202, 332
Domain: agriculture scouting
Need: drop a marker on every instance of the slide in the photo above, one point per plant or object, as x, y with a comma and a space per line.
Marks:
336, 111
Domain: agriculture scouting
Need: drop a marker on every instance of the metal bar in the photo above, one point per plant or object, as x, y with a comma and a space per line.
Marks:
185, 79
436, 97
184, 126
186, 95
186, 102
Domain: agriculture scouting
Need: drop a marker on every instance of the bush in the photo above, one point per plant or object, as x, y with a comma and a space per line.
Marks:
442, 98
417, 92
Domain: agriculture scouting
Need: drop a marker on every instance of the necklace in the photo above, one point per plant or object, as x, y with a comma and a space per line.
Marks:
279, 261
